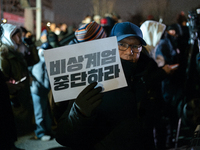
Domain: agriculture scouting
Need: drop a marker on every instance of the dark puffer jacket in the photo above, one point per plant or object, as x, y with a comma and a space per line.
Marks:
118, 122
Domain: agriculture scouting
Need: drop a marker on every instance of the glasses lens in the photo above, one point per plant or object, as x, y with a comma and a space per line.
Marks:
123, 46
136, 48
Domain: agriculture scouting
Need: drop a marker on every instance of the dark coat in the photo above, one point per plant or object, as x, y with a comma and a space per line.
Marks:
118, 122
7, 126
167, 48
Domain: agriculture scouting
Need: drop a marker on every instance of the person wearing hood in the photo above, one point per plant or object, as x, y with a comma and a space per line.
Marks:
121, 118
31, 55
152, 32
15, 70
173, 85
8, 130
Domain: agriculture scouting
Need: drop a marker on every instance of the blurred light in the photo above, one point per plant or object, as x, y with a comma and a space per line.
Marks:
198, 10
4, 20
48, 24
160, 20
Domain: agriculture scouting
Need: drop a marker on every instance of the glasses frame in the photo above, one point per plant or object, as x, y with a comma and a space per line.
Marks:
133, 47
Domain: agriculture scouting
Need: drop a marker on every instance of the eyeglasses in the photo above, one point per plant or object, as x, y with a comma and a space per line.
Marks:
125, 46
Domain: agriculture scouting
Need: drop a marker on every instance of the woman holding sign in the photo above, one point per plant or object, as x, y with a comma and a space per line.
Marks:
122, 118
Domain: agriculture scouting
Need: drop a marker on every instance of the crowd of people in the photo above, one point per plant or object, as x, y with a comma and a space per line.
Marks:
140, 116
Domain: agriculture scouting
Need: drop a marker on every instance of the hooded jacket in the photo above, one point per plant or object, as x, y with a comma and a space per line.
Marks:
8, 31
152, 33
14, 66
12, 62
7, 126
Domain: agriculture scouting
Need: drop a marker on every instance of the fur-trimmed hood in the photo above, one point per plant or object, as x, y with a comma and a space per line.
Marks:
7, 44
8, 31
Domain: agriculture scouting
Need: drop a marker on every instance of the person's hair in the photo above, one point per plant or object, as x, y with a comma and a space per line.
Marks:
175, 27
23, 29
181, 18
16, 31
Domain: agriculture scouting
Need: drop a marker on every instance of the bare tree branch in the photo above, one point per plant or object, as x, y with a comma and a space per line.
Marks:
101, 7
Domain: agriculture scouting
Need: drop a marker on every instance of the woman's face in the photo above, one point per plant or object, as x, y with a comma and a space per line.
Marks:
17, 38
129, 54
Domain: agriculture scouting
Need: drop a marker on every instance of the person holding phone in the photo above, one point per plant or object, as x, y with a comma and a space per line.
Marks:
15, 68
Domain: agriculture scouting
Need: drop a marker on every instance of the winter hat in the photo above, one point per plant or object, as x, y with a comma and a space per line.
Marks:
90, 32
126, 29
107, 21
175, 27
104, 22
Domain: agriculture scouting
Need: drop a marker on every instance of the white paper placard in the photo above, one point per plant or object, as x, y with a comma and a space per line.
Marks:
71, 68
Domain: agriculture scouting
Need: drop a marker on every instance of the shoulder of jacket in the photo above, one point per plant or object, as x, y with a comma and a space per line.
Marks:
4, 50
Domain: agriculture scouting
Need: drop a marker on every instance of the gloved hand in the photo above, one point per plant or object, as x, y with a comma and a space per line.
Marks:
89, 99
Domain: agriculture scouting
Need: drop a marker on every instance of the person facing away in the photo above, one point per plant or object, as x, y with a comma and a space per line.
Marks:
52, 39
183, 39
31, 55
113, 120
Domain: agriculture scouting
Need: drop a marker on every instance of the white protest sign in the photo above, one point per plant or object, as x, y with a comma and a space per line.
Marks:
71, 68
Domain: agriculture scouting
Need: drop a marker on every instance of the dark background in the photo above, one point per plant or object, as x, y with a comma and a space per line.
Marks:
73, 11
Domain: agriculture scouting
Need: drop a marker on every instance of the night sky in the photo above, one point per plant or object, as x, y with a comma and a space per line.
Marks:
73, 11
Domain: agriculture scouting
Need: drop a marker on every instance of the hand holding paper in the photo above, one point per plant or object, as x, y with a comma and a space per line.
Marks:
170, 68
71, 68
89, 99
